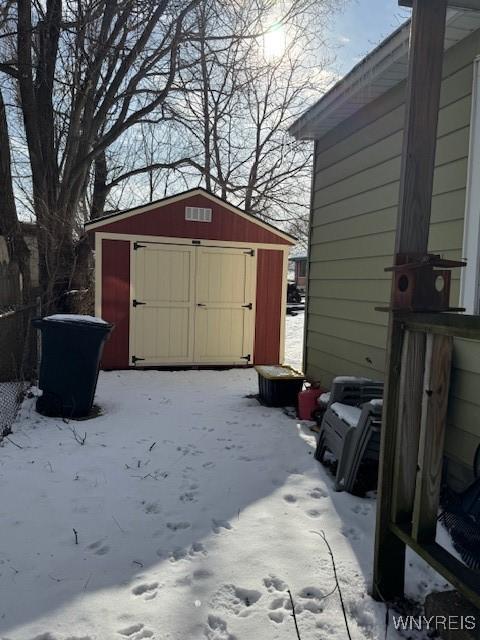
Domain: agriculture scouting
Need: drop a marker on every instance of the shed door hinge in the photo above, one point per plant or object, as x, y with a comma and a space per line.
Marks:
137, 245
248, 306
135, 359
136, 303
250, 252
247, 357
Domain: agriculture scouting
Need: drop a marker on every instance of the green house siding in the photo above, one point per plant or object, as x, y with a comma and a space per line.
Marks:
355, 197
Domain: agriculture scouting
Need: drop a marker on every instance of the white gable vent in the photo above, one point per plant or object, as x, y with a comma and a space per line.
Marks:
198, 214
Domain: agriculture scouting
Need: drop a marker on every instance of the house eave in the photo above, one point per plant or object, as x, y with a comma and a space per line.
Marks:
380, 71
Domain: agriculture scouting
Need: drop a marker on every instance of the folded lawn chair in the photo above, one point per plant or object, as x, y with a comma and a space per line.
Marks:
352, 434
349, 390
354, 391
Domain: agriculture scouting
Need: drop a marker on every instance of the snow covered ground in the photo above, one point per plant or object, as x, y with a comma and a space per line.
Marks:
294, 340
188, 513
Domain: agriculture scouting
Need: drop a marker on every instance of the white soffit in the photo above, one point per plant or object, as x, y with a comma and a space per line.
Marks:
377, 73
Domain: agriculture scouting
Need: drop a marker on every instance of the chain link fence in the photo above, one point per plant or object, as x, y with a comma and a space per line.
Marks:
20, 348
18, 360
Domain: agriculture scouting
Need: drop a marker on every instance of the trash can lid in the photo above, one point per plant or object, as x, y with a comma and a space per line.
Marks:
75, 318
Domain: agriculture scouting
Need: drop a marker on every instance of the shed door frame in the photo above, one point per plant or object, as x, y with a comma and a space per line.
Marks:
250, 335
106, 235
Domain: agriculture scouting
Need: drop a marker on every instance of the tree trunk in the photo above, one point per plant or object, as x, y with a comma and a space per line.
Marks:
10, 228
100, 189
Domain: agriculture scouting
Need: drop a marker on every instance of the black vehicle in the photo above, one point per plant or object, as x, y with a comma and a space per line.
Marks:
293, 294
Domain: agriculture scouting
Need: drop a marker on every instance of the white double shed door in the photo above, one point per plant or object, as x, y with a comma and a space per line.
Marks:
192, 304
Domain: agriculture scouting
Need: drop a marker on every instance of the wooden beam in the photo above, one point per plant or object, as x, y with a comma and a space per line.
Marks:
389, 568
413, 224
450, 324
436, 384
465, 580
473, 5
408, 428
420, 135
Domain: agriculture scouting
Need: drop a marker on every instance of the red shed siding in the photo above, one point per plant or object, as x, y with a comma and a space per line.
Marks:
116, 301
169, 221
269, 306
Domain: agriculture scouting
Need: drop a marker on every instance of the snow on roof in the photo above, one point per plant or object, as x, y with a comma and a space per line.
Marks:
381, 70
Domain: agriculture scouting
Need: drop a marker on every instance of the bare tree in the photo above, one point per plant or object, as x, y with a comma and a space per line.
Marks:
247, 73
84, 73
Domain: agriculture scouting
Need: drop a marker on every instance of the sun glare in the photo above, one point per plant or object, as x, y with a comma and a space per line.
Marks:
274, 41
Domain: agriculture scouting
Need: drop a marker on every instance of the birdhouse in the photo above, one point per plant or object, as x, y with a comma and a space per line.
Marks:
423, 283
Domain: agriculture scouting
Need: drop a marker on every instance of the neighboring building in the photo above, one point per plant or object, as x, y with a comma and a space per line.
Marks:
299, 271
30, 235
358, 129
190, 279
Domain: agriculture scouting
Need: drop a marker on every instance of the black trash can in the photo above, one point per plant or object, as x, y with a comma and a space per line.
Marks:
72, 346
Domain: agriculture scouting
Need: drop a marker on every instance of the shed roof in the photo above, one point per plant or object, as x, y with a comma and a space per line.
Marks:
97, 223
382, 69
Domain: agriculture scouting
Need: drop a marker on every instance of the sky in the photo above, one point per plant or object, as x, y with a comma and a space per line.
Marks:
361, 26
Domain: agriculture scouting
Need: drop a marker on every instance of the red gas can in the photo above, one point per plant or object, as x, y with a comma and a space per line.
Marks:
307, 402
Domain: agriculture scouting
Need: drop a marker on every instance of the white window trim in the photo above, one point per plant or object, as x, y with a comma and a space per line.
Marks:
470, 278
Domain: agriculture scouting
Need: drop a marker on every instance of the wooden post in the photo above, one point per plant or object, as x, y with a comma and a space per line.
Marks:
413, 224
408, 426
421, 120
432, 436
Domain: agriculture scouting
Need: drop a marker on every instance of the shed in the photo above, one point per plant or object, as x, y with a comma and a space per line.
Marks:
190, 280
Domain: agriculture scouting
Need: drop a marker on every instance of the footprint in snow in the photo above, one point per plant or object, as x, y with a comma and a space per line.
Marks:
313, 513
202, 574
49, 636
362, 509
176, 526
175, 555
308, 599
148, 590
272, 584
216, 629
208, 465
152, 507
95, 545
102, 551
218, 525
196, 549
277, 613
278, 603
290, 498
311, 599
317, 493
236, 600
351, 533
99, 548
134, 630
189, 496
276, 616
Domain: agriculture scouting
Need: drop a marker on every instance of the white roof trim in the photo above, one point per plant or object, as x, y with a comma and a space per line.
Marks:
381, 70
110, 219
